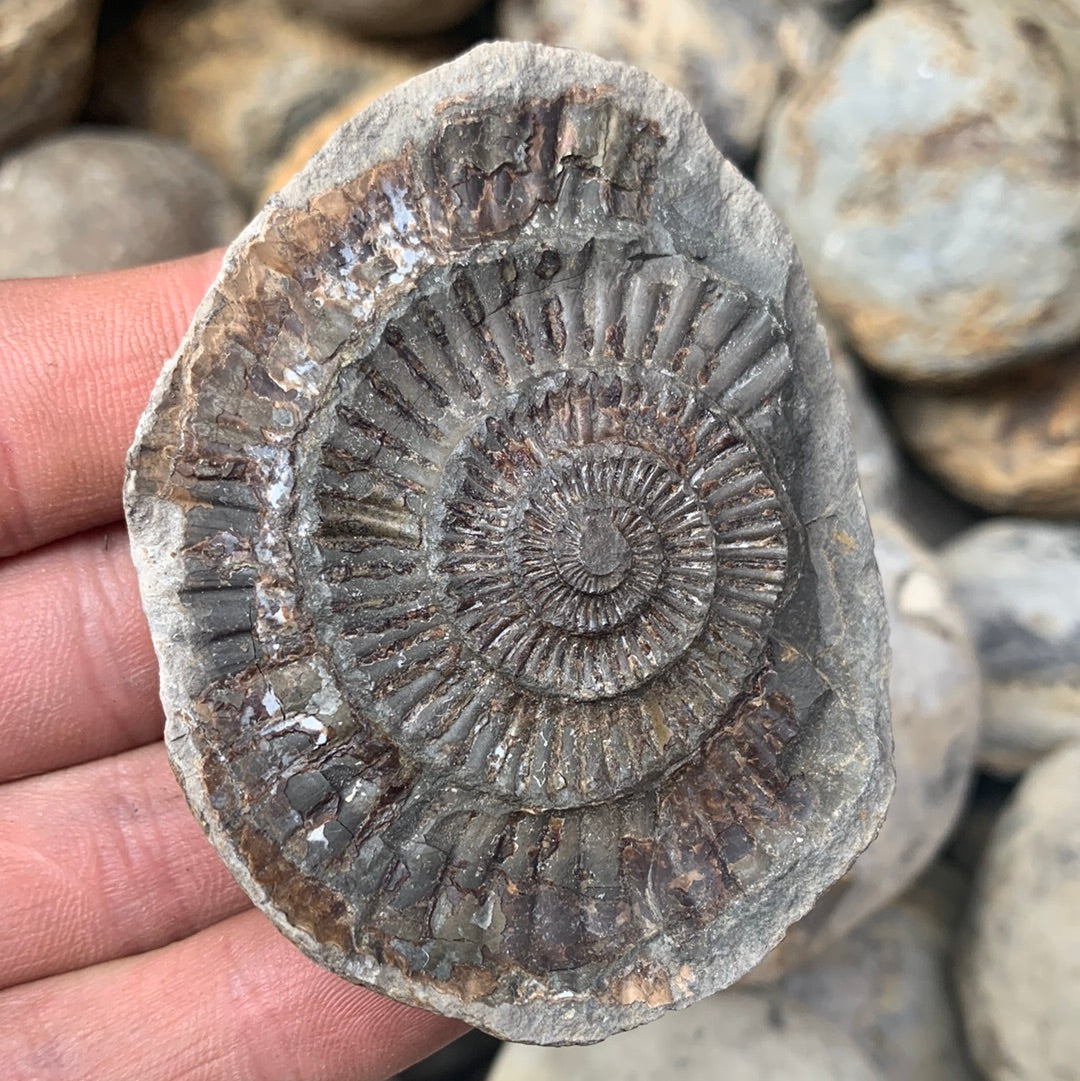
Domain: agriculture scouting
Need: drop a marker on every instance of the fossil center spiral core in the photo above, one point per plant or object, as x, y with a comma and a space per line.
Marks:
605, 543
599, 548
590, 545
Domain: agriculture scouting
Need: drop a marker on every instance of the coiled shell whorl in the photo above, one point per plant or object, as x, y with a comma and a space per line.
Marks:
521, 643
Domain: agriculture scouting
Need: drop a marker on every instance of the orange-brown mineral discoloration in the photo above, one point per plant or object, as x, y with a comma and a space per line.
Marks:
1011, 445
642, 985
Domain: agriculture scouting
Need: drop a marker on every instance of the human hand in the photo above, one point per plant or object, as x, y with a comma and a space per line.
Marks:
126, 949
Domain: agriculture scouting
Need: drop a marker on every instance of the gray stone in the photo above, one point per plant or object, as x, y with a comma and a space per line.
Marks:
502, 480
935, 697
237, 80
1018, 582
391, 18
928, 174
732, 58
1009, 444
736, 1035
1019, 966
101, 199
888, 984
46, 48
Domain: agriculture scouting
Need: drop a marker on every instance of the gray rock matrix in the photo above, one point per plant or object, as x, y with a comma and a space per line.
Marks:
522, 647
936, 708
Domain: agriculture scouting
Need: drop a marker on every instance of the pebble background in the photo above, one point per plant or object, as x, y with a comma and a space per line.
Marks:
926, 156
130, 197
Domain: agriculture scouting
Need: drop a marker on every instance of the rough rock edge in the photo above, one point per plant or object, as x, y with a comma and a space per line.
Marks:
760, 255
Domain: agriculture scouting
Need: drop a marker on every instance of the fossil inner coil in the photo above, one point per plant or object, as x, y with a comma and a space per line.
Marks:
592, 554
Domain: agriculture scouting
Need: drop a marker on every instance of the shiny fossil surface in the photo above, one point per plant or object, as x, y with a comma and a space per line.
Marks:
521, 643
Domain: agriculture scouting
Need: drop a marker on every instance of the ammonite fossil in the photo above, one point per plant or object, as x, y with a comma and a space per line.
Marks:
521, 641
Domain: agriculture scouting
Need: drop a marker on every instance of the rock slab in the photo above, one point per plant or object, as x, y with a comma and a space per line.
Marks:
522, 646
936, 703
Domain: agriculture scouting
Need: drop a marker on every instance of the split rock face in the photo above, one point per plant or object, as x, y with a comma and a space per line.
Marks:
522, 646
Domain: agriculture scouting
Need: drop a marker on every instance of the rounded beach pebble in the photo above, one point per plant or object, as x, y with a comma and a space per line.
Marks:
928, 174
102, 199
1018, 582
888, 984
522, 647
391, 18
1019, 969
46, 49
1009, 444
238, 80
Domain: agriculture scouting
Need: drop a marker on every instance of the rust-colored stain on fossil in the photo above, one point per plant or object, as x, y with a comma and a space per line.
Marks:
500, 643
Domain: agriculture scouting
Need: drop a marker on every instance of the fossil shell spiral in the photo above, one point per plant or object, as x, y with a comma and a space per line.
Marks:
521, 643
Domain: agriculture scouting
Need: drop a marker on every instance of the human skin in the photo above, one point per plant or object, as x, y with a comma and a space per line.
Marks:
126, 949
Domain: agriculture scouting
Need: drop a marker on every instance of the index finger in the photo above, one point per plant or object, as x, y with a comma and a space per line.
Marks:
78, 358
